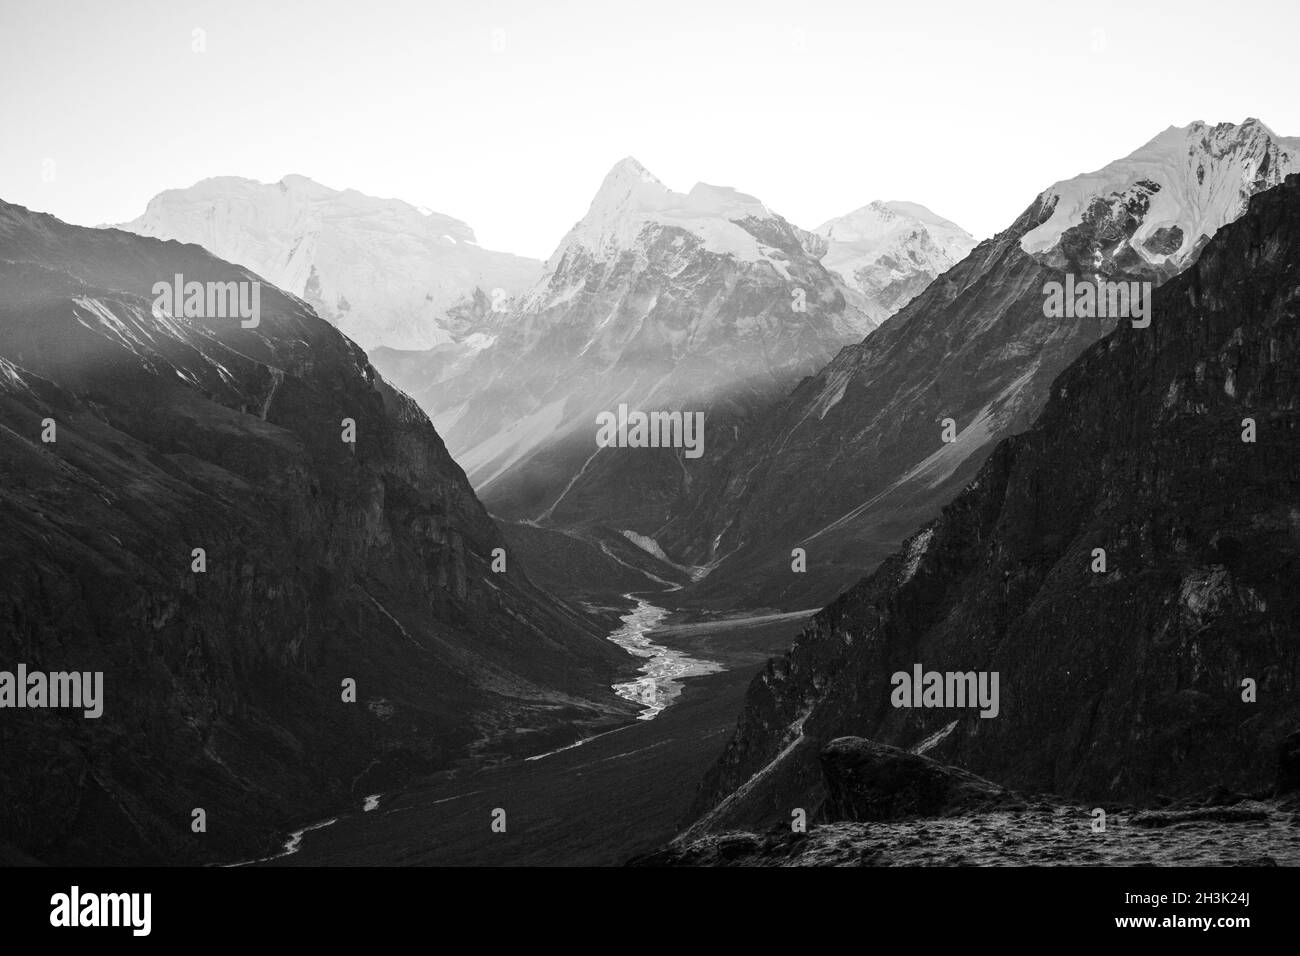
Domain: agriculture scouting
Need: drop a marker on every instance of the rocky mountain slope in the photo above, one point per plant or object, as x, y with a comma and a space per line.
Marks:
1172, 667
382, 271
324, 561
876, 441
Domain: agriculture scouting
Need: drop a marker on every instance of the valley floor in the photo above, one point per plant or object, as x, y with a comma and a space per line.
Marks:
620, 794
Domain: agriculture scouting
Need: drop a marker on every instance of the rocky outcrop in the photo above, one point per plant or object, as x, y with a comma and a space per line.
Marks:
1126, 566
324, 561
870, 781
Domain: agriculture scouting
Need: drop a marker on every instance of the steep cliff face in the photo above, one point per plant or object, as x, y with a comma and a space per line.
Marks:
855, 457
1120, 683
325, 561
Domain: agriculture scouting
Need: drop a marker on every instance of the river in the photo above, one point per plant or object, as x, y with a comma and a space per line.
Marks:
664, 669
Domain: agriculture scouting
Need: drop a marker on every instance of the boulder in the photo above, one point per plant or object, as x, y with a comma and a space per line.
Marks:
866, 780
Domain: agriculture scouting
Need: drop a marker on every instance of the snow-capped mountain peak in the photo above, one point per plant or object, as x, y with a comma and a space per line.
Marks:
631, 197
889, 251
628, 190
382, 270
627, 171
879, 218
1175, 191
305, 187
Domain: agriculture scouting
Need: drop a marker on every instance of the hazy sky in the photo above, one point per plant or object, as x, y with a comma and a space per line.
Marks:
508, 114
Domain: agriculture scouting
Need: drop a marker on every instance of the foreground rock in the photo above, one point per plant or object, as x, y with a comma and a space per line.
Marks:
1042, 835
870, 781
1265, 833
1169, 818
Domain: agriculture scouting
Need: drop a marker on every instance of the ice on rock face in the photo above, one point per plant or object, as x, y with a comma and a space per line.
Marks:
399, 268
1204, 177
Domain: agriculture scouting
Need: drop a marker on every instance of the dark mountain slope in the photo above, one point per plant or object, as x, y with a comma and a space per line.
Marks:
325, 561
1121, 684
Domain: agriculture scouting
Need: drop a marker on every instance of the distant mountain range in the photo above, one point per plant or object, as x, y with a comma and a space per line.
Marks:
704, 301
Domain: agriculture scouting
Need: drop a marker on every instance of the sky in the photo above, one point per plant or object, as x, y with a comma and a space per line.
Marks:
508, 114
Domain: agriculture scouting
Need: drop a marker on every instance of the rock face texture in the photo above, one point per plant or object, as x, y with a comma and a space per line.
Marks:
325, 561
1040, 834
1173, 667
855, 457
